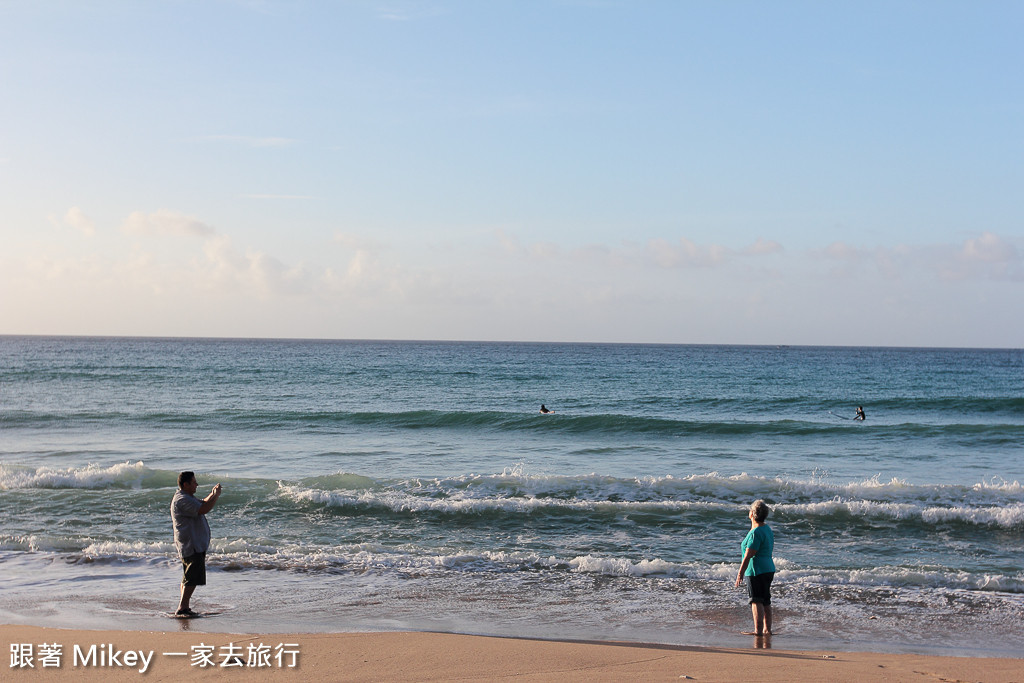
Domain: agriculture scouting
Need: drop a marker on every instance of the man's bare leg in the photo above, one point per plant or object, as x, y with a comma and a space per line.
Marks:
186, 596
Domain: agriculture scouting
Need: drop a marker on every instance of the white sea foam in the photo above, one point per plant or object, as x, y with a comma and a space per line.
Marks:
619, 566
462, 502
713, 487
126, 550
514, 484
89, 477
40, 543
905, 577
480, 500
1008, 516
873, 488
242, 554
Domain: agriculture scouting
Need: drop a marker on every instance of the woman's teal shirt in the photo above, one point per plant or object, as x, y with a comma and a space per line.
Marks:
761, 540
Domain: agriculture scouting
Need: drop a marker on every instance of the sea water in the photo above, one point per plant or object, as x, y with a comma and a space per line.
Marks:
414, 485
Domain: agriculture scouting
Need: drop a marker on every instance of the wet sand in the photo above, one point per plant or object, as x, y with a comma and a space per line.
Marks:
404, 656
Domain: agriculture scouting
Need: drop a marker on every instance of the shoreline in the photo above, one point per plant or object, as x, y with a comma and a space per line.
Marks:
408, 655
275, 604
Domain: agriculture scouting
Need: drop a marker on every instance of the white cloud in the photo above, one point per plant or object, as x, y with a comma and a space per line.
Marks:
278, 196
358, 242
251, 141
990, 248
545, 250
665, 254
597, 253
987, 256
358, 288
76, 219
763, 246
685, 254
165, 223
842, 251
407, 11
227, 269
508, 243
258, 6
537, 251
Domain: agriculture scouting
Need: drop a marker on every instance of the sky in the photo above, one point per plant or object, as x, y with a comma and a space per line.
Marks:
736, 172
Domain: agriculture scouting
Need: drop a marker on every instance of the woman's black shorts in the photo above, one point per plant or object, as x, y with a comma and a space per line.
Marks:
759, 588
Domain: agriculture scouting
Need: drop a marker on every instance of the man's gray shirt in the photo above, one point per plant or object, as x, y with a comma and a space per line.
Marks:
191, 530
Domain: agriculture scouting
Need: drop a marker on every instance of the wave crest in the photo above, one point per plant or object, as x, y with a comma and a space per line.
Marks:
125, 475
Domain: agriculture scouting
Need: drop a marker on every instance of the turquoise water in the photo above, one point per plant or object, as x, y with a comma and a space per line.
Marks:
382, 485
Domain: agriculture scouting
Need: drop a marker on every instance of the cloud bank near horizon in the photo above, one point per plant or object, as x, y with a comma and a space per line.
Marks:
361, 287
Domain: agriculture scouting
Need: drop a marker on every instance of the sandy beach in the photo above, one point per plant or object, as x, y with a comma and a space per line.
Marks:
404, 656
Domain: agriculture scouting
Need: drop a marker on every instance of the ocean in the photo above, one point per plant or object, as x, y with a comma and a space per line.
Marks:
376, 485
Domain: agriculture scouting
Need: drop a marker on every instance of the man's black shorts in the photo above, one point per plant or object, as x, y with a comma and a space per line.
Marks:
195, 570
759, 588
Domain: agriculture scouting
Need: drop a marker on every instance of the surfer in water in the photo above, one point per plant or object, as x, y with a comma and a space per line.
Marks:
544, 409
860, 414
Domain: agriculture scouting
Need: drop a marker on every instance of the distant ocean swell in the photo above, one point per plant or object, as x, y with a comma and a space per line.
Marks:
819, 423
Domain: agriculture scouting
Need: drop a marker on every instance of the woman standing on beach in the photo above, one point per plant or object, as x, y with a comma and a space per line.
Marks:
758, 569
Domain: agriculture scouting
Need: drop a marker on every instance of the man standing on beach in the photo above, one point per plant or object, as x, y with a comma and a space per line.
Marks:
191, 535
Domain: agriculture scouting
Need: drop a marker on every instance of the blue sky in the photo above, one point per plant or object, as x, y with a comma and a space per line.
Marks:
706, 172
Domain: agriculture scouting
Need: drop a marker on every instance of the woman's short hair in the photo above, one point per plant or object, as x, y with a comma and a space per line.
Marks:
760, 510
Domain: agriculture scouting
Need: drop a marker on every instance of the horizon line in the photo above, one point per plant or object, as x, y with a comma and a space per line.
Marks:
99, 337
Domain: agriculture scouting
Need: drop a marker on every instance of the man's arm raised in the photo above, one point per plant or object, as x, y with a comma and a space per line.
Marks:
210, 500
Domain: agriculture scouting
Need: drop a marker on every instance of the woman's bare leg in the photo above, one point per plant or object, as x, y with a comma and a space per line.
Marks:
757, 610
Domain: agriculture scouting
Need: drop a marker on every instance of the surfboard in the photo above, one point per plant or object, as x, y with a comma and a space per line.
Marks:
194, 615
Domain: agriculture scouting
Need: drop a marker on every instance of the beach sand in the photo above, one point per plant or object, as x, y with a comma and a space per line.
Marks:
402, 656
